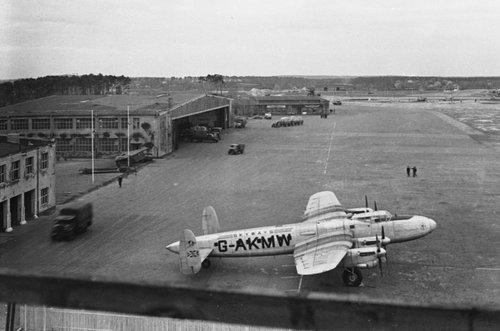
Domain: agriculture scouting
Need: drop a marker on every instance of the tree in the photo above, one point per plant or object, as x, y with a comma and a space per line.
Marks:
215, 80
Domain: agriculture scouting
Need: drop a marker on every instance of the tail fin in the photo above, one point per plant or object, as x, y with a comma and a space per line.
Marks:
209, 221
189, 253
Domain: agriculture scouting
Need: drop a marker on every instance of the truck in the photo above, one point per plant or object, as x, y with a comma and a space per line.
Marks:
201, 133
240, 122
72, 220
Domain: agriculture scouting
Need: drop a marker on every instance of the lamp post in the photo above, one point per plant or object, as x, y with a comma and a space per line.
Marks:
92, 143
128, 136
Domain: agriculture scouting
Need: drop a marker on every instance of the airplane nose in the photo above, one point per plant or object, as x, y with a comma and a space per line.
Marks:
432, 224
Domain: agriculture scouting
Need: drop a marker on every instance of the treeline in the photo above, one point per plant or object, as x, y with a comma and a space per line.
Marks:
32, 88
325, 83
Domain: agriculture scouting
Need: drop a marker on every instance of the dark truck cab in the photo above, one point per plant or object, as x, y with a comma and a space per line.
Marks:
72, 220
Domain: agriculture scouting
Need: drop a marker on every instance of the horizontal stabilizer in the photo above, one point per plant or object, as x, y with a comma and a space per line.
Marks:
189, 254
209, 221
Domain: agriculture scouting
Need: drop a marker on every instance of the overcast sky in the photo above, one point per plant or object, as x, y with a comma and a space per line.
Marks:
164, 38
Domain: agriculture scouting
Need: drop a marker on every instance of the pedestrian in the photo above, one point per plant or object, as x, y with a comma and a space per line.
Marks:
414, 171
120, 179
408, 170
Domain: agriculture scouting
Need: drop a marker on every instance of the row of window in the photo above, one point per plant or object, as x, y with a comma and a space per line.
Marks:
15, 168
68, 123
85, 145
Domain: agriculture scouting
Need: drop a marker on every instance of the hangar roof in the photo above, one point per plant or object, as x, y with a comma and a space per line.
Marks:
290, 99
102, 105
9, 147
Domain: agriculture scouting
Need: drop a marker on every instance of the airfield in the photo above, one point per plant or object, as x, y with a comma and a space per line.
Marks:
363, 149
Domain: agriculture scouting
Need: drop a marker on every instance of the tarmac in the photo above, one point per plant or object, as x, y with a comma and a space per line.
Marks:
361, 150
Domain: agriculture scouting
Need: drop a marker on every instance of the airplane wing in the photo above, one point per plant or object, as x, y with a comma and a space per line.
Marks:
323, 205
321, 254
204, 253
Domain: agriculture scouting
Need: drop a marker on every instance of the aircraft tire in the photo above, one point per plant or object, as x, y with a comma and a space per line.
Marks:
352, 277
206, 264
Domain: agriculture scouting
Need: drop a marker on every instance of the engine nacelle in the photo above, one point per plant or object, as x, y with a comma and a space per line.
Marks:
366, 257
370, 241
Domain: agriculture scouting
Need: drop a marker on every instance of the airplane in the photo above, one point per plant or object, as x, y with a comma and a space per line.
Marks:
329, 236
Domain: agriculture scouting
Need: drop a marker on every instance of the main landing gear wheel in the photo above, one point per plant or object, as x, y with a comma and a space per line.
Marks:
206, 264
352, 277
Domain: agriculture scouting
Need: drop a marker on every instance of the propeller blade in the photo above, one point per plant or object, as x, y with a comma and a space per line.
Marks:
375, 205
384, 245
366, 201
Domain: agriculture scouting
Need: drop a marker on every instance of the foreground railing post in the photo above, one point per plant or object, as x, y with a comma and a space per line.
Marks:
10, 318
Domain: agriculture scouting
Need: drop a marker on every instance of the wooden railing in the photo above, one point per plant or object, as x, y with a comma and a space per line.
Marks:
304, 310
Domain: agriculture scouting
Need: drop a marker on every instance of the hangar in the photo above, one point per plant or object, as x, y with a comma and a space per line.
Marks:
114, 123
290, 105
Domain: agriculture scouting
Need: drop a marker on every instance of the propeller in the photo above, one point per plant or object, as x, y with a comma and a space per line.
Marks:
378, 255
375, 205
366, 201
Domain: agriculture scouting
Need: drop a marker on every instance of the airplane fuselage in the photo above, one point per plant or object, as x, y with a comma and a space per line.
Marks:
276, 240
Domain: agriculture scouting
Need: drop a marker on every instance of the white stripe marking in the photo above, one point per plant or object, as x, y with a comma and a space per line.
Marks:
329, 148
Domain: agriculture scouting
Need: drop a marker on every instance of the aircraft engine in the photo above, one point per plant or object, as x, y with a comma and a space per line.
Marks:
366, 257
371, 241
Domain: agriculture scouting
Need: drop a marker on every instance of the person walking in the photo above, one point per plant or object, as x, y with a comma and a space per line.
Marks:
414, 171
120, 179
408, 171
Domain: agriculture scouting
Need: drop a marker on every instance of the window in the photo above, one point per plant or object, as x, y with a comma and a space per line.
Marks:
19, 124
14, 170
136, 123
108, 145
44, 161
3, 124
2, 173
45, 195
108, 123
29, 165
123, 144
63, 123
40, 124
63, 145
124, 123
84, 123
83, 145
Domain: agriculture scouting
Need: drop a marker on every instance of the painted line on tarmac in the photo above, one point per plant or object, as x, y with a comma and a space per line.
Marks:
489, 269
329, 148
290, 277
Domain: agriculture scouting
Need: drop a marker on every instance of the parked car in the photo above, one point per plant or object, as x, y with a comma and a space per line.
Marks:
257, 117
73, 219
337, 102
235, 149
268, 116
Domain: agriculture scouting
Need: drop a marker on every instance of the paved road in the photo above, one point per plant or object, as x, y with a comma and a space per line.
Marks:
361, 150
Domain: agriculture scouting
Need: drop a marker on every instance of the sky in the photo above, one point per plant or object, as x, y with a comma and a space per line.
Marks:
164, 38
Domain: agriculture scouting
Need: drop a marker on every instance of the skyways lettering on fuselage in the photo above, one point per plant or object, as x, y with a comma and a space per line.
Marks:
255, 243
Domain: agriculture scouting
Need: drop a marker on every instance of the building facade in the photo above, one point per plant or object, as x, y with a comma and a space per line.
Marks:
27, 179
111, 125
